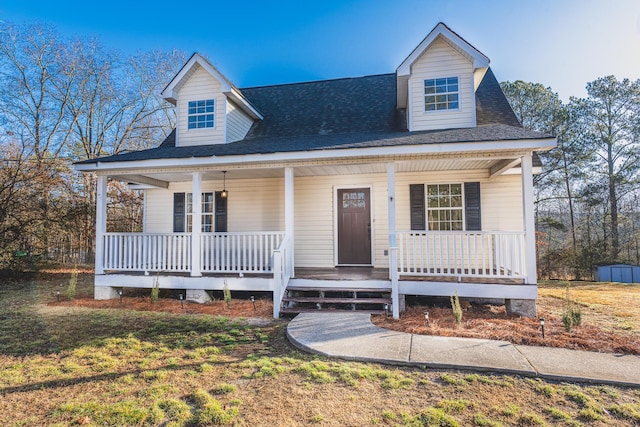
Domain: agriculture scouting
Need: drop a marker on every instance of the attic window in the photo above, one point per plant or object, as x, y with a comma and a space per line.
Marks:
201, 114
441, 94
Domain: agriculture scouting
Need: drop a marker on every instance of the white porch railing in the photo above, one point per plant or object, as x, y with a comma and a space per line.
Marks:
220, 252
147, 252
282, 272
239, 252
498, 254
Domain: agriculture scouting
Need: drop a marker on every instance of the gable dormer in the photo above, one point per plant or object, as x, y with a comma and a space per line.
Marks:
436, 83
209, 108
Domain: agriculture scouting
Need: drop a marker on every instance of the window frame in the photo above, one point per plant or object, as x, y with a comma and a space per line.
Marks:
461, 208
446, 93
188, 212
204, 114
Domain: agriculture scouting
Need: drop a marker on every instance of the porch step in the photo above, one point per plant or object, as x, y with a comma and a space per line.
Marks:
302, 299
299, 310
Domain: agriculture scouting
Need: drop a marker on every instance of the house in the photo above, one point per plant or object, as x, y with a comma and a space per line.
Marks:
417, 182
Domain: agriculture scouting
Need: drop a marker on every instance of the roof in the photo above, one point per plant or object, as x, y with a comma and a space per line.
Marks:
478, 59
267, 145
340, 114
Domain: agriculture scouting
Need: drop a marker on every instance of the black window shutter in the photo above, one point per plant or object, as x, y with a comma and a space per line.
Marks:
416, 202
178, 212
220, 213
472, 206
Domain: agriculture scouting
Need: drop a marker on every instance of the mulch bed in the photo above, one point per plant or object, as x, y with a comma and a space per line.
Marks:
492, 322
237, 307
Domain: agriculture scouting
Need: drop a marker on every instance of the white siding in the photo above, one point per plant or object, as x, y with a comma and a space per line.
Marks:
201, 85
258, 205
238, 123
441, 60
253, 205
315, 217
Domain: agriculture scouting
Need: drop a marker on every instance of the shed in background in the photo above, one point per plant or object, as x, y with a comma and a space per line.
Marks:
623, 273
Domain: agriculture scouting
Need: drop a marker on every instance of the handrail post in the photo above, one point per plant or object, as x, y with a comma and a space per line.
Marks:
393, 270
277, 282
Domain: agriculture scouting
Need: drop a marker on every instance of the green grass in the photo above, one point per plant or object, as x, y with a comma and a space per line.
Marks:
62, 366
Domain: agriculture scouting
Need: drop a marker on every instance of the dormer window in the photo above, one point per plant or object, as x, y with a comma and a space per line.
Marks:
200, 114
441, 94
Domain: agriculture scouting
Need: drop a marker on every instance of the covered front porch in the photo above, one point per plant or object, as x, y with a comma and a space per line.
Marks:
283, 225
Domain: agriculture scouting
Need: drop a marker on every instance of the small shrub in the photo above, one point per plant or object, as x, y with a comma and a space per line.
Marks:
155, 291
227, 293
572, 315
73, 283
456, 308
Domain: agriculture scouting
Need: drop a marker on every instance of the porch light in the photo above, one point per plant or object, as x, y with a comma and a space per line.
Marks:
253, 301
542, 326
120, 293
181, 301
426, 318
386, 310
58, 296
224, 193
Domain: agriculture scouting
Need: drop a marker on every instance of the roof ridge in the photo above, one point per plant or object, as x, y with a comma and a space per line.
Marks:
317, 81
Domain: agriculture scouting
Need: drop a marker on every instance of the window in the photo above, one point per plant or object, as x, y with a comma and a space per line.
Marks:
200, 114
214, 212
444, 207
441, 94
207, 212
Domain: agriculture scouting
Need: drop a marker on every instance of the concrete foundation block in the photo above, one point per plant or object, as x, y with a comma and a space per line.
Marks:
521, 307
198, 295
402, 302
105, 292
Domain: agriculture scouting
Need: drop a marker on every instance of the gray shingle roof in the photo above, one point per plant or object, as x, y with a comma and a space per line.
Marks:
339, 114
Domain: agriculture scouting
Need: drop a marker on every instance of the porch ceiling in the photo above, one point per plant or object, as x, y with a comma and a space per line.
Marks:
327, 169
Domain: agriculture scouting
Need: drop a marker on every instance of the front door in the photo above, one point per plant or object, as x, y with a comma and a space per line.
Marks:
354, 226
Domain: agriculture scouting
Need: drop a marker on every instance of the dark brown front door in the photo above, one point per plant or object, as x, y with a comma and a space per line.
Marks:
354, 226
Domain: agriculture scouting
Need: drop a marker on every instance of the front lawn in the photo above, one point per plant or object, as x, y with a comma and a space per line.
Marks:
64, 366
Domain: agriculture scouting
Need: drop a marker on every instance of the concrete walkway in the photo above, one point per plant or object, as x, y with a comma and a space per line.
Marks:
352, 336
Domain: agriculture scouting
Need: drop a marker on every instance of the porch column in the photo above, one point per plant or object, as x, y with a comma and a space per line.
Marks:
196, 222
101, 221
288, 215
528, 219
393, 248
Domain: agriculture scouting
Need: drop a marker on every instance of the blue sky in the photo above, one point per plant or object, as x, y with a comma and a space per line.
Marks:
559, 43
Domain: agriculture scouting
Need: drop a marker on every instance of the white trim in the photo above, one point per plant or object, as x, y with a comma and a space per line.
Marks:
335, 224
469, 290
479, 60
409, 106
196, 222
289, 212
101, 222
457, 148
528, 209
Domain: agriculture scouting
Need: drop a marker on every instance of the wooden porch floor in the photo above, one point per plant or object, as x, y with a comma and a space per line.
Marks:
370, 273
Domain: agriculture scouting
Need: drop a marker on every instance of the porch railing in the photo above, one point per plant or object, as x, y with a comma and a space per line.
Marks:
282, 272
239, 252
219, 252
498, 254
147, 252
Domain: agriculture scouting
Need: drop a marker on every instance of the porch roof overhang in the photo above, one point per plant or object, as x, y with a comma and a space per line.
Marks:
496, 147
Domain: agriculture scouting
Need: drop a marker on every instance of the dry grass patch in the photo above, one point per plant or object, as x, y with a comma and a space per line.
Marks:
113, 367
